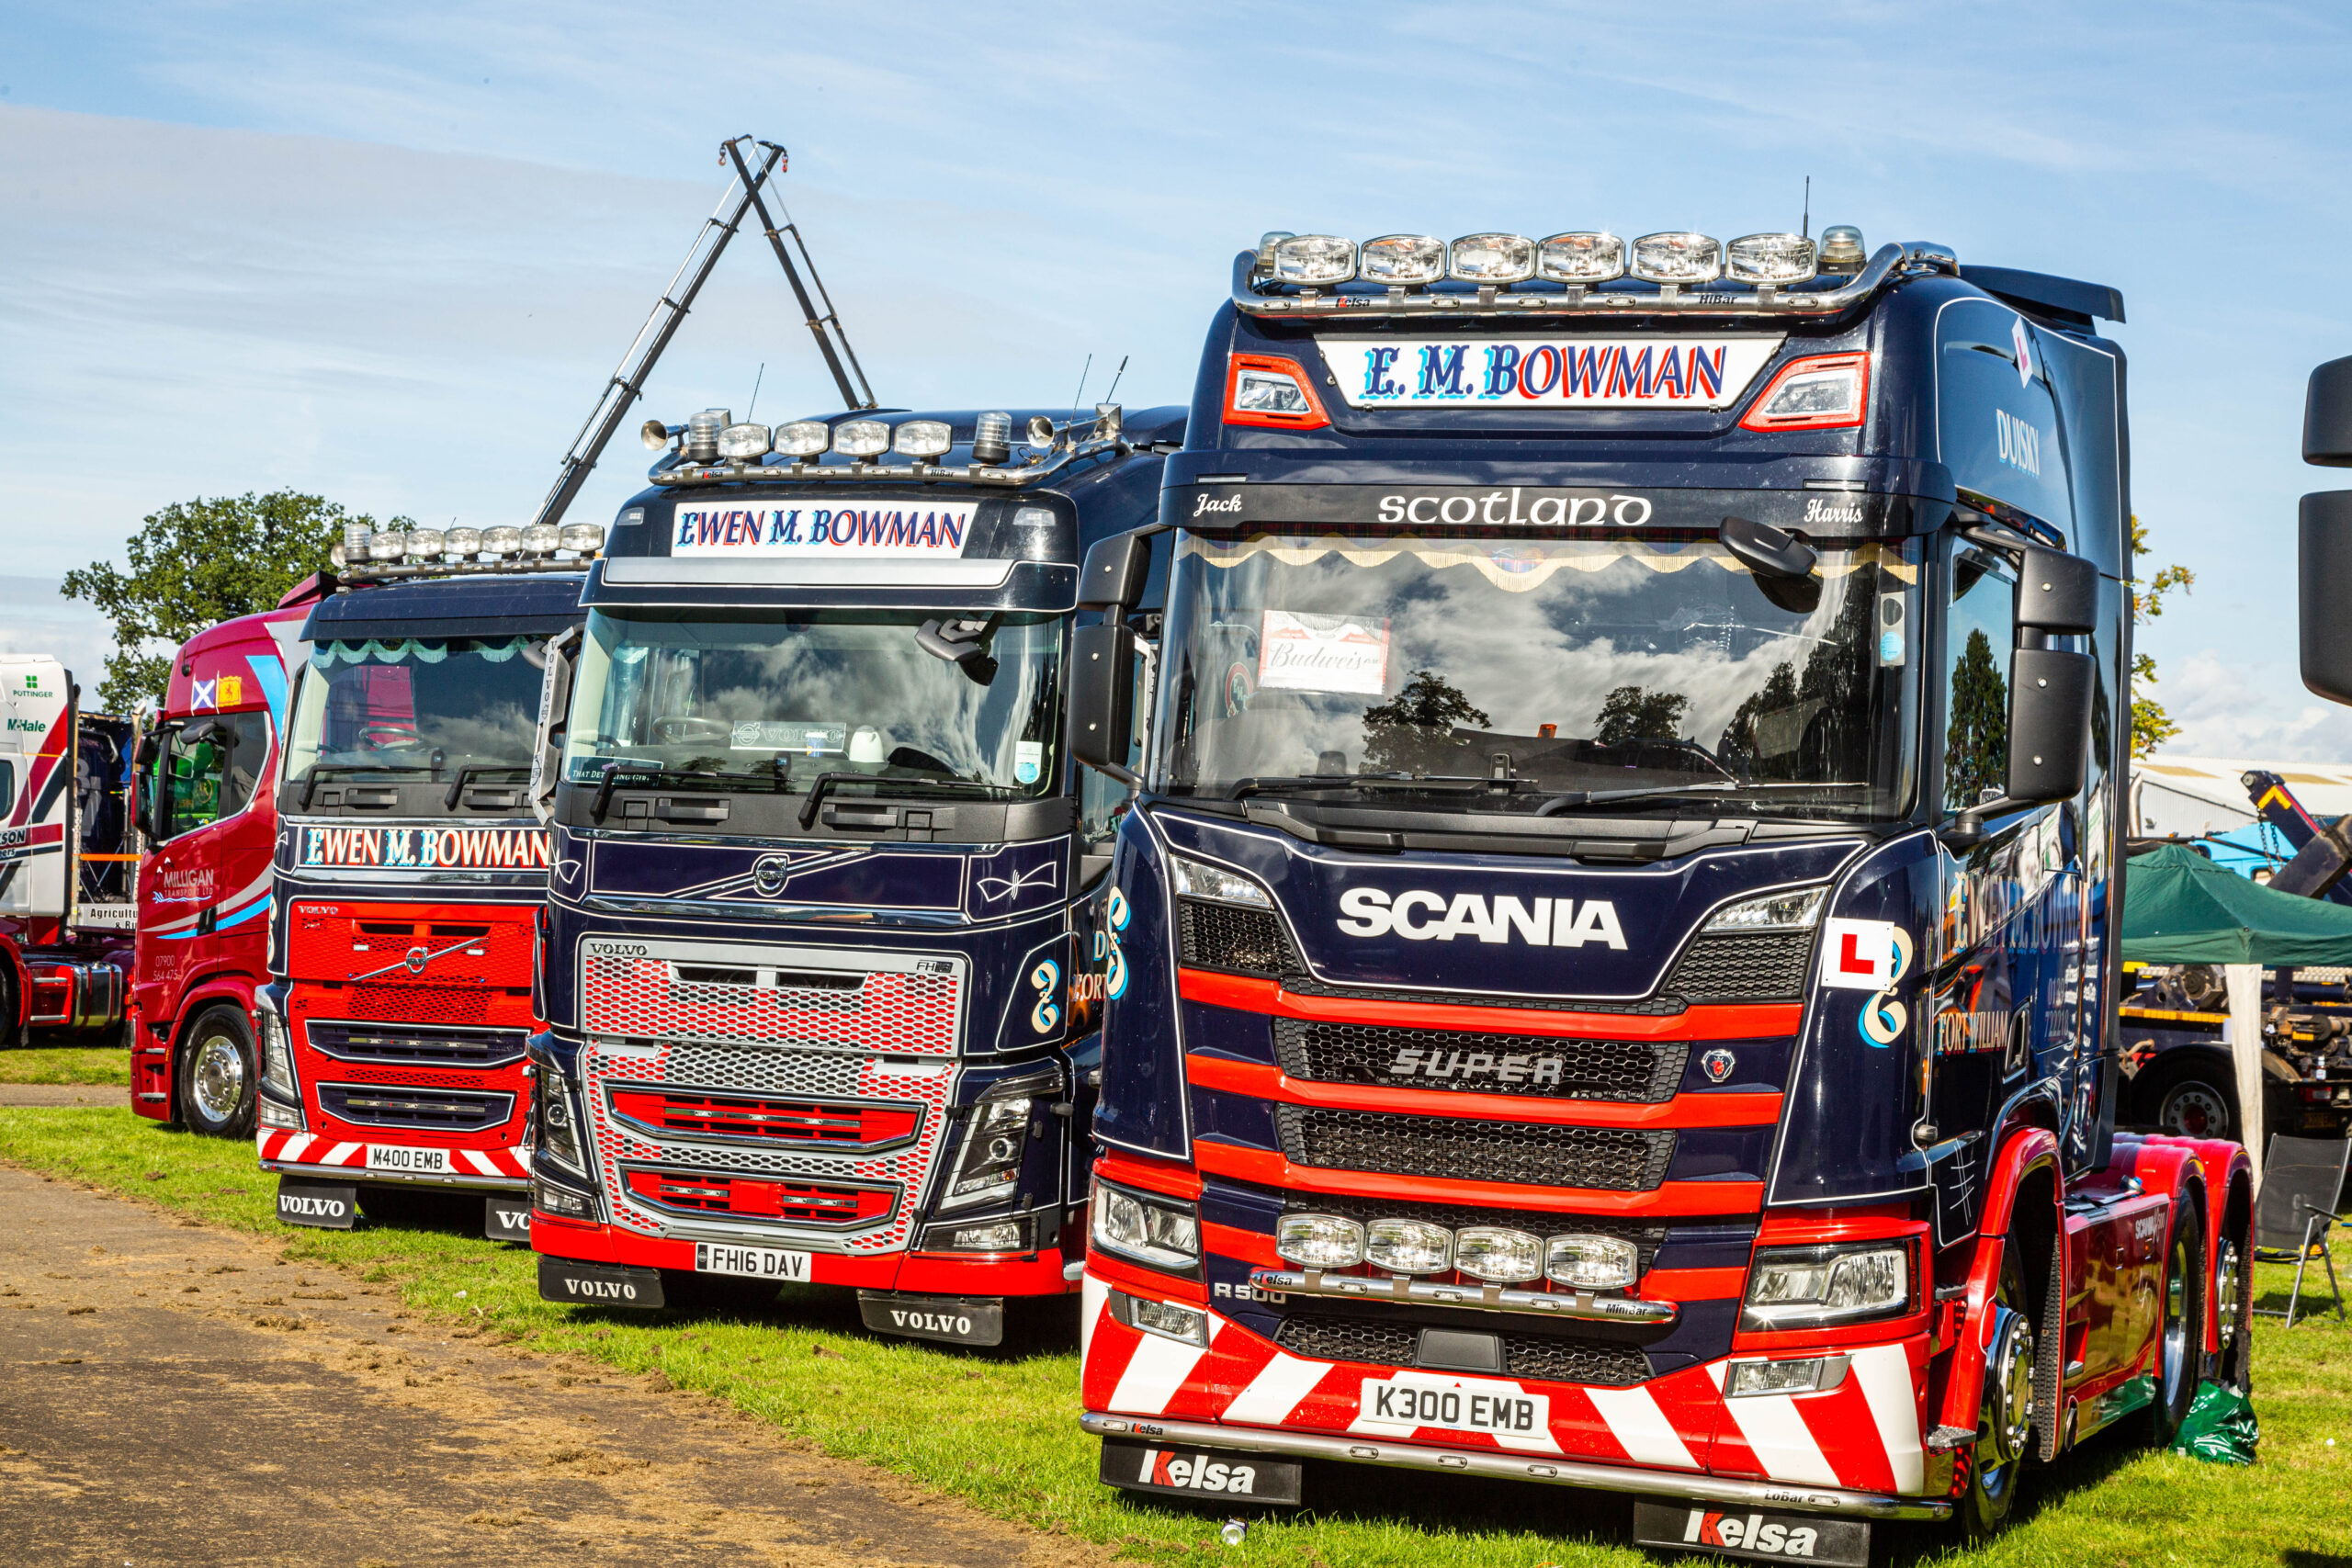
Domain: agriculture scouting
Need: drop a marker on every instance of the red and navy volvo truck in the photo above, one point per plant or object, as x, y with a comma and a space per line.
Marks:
1615, 968
820, 977
410, 873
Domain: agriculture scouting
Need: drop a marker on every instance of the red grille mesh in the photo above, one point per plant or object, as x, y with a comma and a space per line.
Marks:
786, 1120
806, 1202
643, 999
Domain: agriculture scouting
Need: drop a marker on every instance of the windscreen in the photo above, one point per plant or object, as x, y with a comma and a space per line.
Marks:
776, 700
426, 706
1538, 673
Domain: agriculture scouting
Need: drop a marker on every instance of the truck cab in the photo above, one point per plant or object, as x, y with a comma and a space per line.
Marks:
821, 983
410, 874
1616, 977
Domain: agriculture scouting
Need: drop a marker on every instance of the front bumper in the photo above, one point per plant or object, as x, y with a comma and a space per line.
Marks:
933, 1273
315, 1158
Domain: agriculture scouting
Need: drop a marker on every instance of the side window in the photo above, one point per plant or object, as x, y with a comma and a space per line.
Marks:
242, 766
8, 787
1979, 632
211, 768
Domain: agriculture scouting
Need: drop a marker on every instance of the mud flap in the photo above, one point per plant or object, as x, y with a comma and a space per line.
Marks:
1729, 1530
1209, 1474
2049, 1354
598, 1284
958, 1320
507, 1218
322, 1205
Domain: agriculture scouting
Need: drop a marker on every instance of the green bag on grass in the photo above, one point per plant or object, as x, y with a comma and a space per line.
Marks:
2220, 1428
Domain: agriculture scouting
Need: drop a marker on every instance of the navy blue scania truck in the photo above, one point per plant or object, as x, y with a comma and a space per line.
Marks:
1613, 975
820, 984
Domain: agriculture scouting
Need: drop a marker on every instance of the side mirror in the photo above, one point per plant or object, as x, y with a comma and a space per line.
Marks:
1115, 572
2323, 589
2327, 415
1102, 694
555, 714
2057, 592
2049, 724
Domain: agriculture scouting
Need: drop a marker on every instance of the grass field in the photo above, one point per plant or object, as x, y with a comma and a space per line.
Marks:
67, 1064
999, 1429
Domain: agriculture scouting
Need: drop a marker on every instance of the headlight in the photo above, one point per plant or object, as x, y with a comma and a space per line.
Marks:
425, 544
386, 544
739, 443
1320, 1241
582, 538
1409, 1247
542, 539
995, 1142
1812, 1374
1169, 1320
1198, 879
1493, 258
465, 543
1677, 258
503, 541
562, 1201
1504, 1256
1592, 1262
1587, 256
1806, 1286
558, 1116
804, 438
1402, 260
1313, 260
1162, 1232
922, 438
862, 438
1794, 910
1823, 391
277, 1060
1775, 260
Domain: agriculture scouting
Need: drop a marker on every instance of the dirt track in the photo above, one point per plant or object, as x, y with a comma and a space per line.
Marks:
172, 1393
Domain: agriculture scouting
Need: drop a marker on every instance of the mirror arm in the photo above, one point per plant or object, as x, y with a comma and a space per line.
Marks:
1118, 770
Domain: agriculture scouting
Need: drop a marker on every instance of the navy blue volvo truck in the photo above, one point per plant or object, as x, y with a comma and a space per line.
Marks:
1613, 979
821, 988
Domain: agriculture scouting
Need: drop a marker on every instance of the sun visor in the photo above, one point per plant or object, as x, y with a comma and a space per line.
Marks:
532, 605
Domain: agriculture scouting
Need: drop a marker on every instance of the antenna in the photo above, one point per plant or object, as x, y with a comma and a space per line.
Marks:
1079, 396
1805, 229
756, 392
1114, 378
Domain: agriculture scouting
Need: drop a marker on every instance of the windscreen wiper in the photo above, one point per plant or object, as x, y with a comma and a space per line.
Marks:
1312, 783
779, 781
823, 786
1570, 800
312, 774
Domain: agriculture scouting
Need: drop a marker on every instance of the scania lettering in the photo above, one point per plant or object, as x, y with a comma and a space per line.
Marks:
411, 869
1623, 710
822, 972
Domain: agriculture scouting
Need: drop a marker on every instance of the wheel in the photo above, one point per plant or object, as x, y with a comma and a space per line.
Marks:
2180, 1331
2234, 1311
2005, 1410
2196, 1107
218, 1073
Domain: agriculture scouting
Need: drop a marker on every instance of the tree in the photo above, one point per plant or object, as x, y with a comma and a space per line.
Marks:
197, 563
1631, 714
1404, 730
2150, 726
1976, 743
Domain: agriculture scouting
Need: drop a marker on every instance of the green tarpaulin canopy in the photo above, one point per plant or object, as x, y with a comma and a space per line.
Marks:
2179, 908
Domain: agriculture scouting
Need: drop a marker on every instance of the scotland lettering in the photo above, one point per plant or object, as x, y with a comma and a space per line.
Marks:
888, 528
426, 849
1419, 915
1566, 372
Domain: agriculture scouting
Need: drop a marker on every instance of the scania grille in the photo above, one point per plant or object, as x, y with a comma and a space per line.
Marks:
1380, 1343
819, 1124
901, 1012
754, 1197
1644, 1072
708, 1084
1611, 1160
447, 1110
414, 1045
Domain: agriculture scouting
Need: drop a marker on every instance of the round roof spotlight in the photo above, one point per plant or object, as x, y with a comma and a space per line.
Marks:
865, 439
1842, 248
702, 433
1493, 259
922, 439
503, 540
465, 543
582, 538
655, 434
425, 544
992, 437
1770, 261
1314, 261
804, 438
1402, 260
542, 539
1677, 258
337, 556
386, 544
743, 443
1586, 255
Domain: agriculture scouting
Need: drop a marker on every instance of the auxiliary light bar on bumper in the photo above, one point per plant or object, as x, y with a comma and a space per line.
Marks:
1682, 1484
1579, 1304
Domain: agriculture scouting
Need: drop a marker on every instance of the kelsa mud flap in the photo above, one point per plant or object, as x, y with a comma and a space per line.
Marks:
507, 1218
1211, 1474
322, 1205
598, 1284
957, 1320
1728, 1531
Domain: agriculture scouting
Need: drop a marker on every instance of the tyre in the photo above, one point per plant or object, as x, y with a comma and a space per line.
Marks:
2233, 1304
2005, 1409
219, 1074
2192, 1104
2180, 1328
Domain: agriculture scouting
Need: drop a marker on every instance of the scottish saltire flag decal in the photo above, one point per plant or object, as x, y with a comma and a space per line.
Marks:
1550, 372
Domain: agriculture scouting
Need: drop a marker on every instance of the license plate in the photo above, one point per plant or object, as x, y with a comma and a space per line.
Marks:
750, 1262
1411, 1400
1184, 1472
408, 1157
1733, 1531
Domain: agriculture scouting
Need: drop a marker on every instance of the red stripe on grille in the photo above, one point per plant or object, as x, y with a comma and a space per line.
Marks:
1268, 1168
1750, 1022
1266, 1082
754, 1116
810, 1203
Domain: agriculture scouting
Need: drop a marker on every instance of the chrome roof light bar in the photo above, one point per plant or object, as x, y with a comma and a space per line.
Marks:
717, 451
371, 555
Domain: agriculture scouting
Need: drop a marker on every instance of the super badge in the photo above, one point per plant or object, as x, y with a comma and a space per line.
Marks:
1873, 956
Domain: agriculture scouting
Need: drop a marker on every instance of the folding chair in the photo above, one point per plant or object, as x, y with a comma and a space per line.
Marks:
2301, 1183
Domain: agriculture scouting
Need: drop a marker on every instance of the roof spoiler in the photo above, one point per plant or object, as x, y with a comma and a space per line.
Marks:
2066, 300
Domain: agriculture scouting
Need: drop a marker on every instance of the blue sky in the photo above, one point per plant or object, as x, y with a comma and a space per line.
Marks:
388, 255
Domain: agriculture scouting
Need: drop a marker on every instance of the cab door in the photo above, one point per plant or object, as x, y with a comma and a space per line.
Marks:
200, 776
